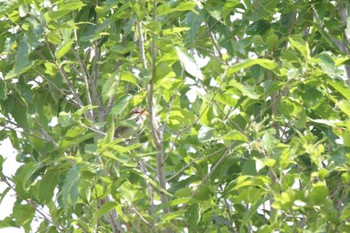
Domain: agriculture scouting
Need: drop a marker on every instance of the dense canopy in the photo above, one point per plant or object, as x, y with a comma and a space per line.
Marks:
247, 126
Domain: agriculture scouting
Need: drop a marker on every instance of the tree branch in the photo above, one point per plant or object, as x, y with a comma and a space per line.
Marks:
83, 73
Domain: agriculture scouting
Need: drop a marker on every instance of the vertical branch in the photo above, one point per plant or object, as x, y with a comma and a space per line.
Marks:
274, 103
83, 73
93, 81
156, 130
144, 64
94, 75
157, 133
142, 45
70, 86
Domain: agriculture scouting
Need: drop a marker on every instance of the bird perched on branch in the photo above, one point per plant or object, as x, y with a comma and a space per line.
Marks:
133, 125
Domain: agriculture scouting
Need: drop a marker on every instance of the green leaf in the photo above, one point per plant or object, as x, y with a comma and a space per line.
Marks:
251, 212
82, 110
326, 62
47, 185
289, 108
192, 215
128, 77
120, 106
186, 6
340, 87
28, 171
267, 64
299, 44
193, 21
301, 120
205, 133
206, 114
65, 119
227, 99
154, 26
318, 192
23, 214
175, 30
104, 209
63, 49
110, 86
246, 90
3, 90
164, 9
22, 59
332, 123
344, 106
251, 195
346, 138
203, 194
179, 201
50, 68
69, 192
75, 131
243, 181
124, 149
234, 135
189, 63
163, 70
124, 159
183, 192
269, 141
63, 9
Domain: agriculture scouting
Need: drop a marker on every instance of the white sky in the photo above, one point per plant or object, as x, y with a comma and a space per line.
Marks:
9, 168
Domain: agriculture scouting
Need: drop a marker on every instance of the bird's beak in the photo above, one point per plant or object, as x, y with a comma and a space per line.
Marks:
144, 112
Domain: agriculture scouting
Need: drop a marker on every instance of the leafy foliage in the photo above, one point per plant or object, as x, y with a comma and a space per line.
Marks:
248, 127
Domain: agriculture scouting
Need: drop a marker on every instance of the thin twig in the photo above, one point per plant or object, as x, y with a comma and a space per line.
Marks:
82, 72
141, 217
70, 86
24, 131
193, 161
142, 45
46, 135
204, 180
216, 45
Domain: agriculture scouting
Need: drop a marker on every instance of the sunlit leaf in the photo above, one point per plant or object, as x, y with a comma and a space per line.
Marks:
104, 209
64, 9
186, 6
340, 87
234, 135
205, 133
128, 77
245, 89
344, 107
189, 63
300, 45
318, 192
63, 48
175, 30
268, 64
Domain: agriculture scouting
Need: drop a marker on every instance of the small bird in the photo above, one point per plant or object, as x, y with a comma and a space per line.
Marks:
132, 125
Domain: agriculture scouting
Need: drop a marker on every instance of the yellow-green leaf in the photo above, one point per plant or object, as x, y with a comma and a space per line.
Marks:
63, 49
267, 64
